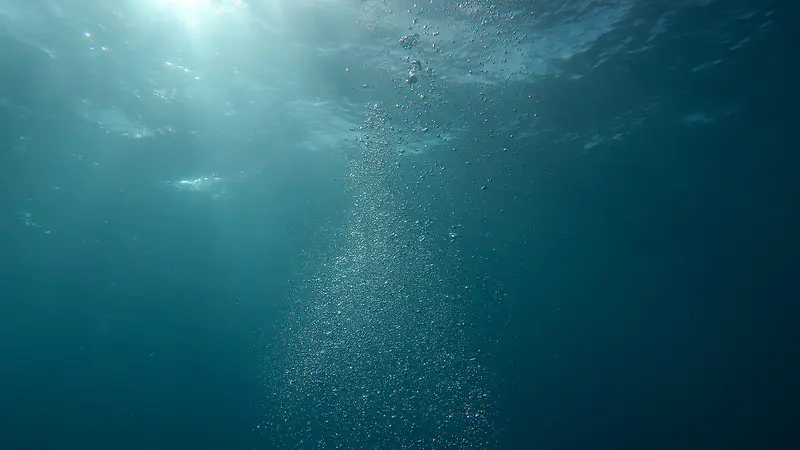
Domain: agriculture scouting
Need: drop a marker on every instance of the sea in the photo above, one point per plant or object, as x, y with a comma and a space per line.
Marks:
393, 224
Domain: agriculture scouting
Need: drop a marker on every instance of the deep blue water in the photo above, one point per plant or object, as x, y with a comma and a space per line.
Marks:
573, 233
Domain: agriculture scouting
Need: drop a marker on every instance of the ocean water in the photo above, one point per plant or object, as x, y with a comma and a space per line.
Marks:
336, 224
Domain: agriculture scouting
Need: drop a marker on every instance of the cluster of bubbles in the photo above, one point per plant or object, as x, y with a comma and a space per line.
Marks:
377, 350
409, 41
415, 66
374, 352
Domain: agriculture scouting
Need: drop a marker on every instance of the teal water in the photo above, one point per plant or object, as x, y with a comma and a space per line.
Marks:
387, 224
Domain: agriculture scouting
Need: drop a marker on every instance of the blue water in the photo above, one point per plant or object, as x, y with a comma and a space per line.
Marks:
385, 224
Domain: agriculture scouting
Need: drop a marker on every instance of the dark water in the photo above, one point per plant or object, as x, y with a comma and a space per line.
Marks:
597, 255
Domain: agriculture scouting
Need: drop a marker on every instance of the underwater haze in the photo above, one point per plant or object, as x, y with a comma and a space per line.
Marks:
388, 224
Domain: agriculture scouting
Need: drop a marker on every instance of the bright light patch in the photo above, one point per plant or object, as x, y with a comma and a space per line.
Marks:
200, 6
183, 4
195, 13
